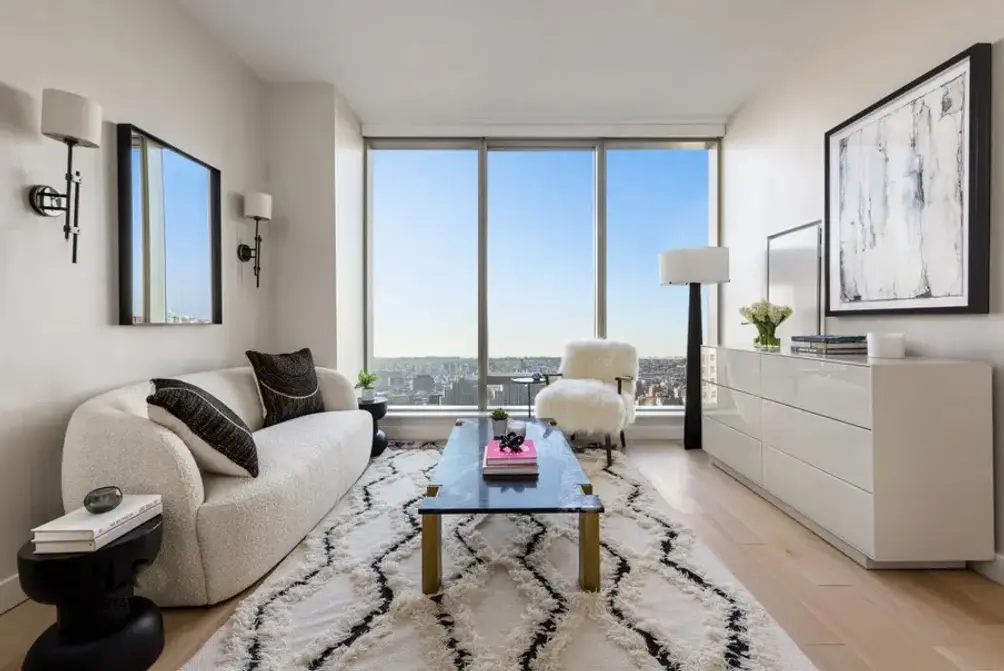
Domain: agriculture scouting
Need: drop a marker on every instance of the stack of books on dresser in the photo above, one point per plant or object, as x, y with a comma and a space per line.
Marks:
83, 531
829, 344
501, 462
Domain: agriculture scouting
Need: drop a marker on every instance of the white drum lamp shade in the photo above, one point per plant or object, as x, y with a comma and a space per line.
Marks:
68, 117
697, 265
258, 206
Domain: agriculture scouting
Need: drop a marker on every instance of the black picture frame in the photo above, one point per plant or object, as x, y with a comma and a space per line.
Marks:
124, 134
979, 189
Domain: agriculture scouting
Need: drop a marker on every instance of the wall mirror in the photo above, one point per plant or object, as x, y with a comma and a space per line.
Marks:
169, 233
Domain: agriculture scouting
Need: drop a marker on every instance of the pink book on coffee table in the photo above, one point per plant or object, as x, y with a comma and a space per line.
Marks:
495, 452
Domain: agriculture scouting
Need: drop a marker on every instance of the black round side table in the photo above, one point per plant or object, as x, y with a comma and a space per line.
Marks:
99, 623
378, 409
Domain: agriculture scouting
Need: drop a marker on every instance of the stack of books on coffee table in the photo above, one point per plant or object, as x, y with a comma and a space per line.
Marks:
501, 462
829, 344
83, 531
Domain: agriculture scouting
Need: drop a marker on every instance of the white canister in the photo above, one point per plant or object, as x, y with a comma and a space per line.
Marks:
886, 345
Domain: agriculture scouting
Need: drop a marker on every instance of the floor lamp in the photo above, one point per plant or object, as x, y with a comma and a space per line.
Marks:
694, 267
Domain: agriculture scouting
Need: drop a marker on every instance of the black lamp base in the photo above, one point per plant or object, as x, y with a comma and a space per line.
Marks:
692, 438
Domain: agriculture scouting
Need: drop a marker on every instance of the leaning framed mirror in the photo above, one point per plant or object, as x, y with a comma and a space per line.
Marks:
169, 233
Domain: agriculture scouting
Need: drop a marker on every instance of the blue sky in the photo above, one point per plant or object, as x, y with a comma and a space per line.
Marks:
540, 249
186, 214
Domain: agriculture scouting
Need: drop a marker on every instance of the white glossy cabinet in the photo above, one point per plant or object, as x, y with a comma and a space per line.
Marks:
891, 460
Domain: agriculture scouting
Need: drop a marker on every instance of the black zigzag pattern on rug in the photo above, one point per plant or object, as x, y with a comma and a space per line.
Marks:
547, 628
462, 657
386, 594
737, 647
254, 649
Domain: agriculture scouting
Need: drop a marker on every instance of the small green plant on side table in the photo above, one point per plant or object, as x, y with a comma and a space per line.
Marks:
365, 382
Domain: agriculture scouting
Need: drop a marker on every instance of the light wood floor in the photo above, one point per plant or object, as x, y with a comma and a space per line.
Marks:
843, 617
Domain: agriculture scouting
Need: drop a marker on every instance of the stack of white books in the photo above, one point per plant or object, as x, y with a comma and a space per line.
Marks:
83, 531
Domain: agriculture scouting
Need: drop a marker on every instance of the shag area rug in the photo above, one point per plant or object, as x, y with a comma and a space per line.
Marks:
349, 597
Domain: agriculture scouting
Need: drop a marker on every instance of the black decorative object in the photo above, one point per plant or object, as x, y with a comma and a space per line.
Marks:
100, 624
220, 441
907, 209
511, 442
377, 408
103, 499
287, 385
148, 276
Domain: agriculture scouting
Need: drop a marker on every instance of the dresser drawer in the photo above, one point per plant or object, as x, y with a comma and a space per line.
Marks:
843, 509
731, 368
840, 449
732, 408
732, 448
836, 390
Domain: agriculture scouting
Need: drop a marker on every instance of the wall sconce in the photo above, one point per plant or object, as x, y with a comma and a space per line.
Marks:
257, 206
76, 121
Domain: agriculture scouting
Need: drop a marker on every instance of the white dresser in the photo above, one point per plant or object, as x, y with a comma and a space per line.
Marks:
890, 460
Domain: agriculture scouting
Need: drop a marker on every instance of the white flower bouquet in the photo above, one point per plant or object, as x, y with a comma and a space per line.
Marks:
766, 317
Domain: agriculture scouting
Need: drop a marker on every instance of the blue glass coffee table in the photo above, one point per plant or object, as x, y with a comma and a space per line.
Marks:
457, 487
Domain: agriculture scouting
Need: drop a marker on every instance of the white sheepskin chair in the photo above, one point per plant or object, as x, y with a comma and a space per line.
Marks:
595, 392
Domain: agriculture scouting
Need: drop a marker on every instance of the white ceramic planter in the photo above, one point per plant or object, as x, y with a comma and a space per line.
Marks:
366, 394
499, 427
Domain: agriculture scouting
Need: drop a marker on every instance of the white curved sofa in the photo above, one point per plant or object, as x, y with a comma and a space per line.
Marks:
221, 533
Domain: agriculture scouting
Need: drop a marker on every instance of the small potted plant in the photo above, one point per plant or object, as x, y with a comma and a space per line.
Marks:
766, 317
365, 383
500, 421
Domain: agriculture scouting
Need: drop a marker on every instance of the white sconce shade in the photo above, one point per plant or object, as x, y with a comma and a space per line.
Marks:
697, 265
258, 206
68, 117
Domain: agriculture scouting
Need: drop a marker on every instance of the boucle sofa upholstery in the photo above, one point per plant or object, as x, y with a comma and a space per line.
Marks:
221, 533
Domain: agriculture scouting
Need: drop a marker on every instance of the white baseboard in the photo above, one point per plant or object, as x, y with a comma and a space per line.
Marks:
993, 569
10, 593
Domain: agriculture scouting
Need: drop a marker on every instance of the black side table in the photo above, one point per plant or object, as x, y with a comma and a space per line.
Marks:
99, 623
378, 409
529, 381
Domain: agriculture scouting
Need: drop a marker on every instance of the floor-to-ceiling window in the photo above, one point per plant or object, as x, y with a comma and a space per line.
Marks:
485, 257
658, 198
424, 275
540, 262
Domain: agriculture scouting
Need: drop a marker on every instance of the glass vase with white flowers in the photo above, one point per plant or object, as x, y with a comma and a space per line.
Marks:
766, 317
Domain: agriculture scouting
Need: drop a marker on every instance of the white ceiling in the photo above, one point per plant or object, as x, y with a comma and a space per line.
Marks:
524, 61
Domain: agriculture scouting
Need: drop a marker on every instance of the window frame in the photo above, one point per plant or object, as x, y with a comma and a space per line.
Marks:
599, 147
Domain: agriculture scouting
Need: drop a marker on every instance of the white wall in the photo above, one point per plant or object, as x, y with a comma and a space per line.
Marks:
773, 167
300, 267
147, 63
349, 250
315, 163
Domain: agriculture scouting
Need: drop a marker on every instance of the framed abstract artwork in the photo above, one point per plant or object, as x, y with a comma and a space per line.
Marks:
907, 210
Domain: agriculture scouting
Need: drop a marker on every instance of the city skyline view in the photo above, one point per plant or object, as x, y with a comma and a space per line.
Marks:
540, 266
540, 249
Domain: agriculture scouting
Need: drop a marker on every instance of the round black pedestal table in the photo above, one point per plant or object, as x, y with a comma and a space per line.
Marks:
100, 624
378, 409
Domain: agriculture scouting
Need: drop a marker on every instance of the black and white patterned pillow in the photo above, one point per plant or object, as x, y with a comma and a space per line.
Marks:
219, 440
287, 385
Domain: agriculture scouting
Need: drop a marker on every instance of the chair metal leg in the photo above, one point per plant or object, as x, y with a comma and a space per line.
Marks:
623, 440
610, 456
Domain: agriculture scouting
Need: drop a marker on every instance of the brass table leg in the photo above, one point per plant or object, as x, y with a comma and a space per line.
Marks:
589, 547
589, 551
432, 555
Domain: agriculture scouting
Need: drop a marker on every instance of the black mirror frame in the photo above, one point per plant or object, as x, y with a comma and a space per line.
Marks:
123, 136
